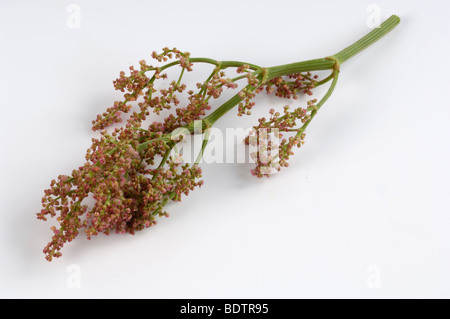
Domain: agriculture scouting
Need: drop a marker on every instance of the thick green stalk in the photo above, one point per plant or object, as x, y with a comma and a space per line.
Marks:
368, 39
298, 67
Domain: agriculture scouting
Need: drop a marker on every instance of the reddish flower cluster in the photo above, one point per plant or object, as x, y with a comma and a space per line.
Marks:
294, 84
139, 84
214, 86
196, 108
121, 174
129, 193
249, 92
269, 156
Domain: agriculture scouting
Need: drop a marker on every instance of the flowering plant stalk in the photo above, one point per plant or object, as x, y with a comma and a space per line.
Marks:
130, 172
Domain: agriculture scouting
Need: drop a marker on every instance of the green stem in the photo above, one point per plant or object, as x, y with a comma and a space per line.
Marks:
316, 107
181, 76
328, 78
368, 39
336, 60
298, 67
166, 156
204, 143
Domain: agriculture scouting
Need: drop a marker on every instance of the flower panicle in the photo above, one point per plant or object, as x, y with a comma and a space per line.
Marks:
130, 173
121, 173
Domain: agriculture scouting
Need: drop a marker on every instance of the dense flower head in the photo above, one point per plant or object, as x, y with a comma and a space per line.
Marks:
120, 173
128, 193
271, 156
130, 172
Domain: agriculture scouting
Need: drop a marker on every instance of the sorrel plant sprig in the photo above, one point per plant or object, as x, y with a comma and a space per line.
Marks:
131, 171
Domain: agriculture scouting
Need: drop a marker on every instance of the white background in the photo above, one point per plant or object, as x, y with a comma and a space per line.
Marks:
362, 211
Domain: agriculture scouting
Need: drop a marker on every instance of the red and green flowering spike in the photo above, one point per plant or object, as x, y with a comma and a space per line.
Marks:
130, 172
